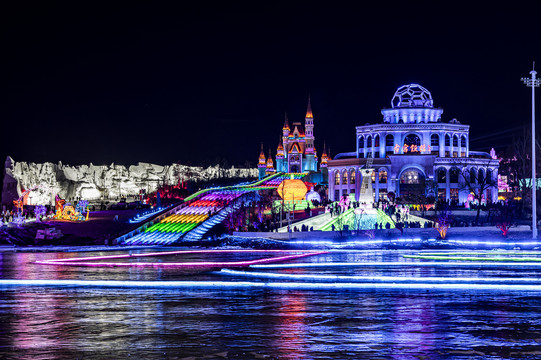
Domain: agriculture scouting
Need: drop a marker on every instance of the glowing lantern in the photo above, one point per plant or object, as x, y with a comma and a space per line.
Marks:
292, 190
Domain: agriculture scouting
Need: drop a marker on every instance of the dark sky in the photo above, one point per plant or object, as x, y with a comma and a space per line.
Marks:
195, 84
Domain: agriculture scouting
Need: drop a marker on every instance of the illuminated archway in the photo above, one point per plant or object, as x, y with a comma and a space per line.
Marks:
412, 183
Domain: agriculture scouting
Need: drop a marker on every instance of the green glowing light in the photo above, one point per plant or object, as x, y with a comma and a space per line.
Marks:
472, 258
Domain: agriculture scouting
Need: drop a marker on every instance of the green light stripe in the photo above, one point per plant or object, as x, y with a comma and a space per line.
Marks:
461, 258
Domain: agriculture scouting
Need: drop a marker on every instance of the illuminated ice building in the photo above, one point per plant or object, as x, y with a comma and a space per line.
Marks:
412, 152
296, 150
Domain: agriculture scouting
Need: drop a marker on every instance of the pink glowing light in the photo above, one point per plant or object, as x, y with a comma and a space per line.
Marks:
90, 261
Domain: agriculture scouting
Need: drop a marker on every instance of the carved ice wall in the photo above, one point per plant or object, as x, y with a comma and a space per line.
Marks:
92, 182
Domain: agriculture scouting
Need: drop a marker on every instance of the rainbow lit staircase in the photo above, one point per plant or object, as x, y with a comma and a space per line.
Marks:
191, 220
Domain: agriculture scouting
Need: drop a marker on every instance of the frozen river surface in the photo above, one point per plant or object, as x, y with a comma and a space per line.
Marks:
318, 320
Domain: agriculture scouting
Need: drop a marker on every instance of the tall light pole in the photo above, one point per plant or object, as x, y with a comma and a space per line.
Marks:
533, 82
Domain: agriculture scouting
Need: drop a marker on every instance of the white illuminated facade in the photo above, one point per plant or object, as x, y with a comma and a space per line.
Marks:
413, 153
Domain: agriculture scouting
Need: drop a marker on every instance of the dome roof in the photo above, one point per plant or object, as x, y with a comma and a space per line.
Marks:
412, 95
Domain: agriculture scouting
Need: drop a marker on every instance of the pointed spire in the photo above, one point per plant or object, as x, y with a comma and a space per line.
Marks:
309, 114
270, 164
280, 149
324, 157
262, 161
286, 123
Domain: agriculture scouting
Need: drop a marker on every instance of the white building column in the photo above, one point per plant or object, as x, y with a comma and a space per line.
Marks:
331, 184
358, 181
447, 184
442, 144
382, 150
376, 192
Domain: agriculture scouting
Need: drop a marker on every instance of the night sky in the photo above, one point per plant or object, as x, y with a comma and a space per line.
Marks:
206, 84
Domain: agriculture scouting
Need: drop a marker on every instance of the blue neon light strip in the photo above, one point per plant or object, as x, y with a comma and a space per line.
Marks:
174, 285
379, 279
145, 215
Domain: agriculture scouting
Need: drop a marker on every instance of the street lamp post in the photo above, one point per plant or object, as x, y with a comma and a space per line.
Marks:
533, 82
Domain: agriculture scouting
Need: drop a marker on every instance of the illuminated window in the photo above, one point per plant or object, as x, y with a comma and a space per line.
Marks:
373, 175
434, 140
455, 154
352, 177
337, 178
454, 194
441, 194
463, 154
389, 140
382, 177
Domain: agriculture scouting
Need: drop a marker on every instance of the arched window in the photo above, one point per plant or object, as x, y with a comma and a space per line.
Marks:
376, 140
400, 121
389, 140
337, 178
368, 141
453, 175
344, 177
442, 176
352, 177
489, 176
434, 140
383, 176
361, 142
373, 176
463, 141
473, 176
481, 177
412, 139
411, 177
447, 140
455, 141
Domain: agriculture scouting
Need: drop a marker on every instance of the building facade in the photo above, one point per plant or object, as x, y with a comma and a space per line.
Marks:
296, 150
413, 152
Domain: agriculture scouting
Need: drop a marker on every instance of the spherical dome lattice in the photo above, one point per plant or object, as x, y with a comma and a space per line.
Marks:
412, 95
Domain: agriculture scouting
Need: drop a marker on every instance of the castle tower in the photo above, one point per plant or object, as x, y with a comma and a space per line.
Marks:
270, 165
280, 157
324, 157
262, 164
285, 129
310, 164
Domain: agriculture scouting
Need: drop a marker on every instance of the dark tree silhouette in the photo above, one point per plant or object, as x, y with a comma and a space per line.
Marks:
477, 183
